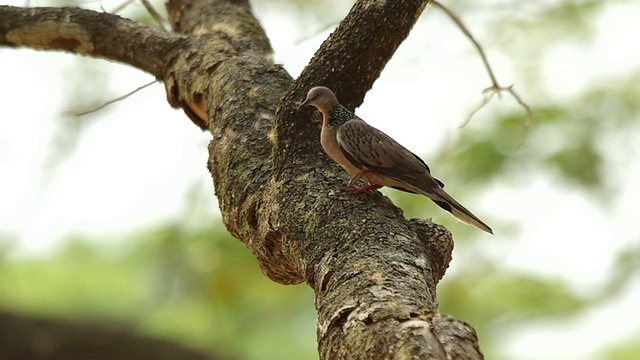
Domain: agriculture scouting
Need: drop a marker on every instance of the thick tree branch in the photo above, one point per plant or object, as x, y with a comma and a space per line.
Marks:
374, 273
90, 33
354, 55
351, 59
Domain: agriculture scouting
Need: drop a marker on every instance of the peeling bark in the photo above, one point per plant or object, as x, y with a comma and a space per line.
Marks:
374, 273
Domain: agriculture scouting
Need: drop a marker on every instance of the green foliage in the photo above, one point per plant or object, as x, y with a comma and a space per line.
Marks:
493, 300
627, 350
199, 286
581, 164
68, 284
477, 161
577, 138
500, 297
566, 138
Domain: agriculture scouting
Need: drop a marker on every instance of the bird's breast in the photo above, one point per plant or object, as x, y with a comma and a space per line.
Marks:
332, 148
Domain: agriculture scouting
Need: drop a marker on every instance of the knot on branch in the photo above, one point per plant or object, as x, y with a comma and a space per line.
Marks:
437, 239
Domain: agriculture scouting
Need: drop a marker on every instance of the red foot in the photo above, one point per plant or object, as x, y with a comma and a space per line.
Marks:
355, 179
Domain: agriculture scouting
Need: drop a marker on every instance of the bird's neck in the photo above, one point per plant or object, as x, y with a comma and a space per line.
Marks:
339, 115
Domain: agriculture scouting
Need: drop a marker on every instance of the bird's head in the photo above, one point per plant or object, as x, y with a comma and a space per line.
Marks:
321, 98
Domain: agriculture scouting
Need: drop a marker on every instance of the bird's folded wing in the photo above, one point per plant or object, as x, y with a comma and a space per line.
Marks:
363, 144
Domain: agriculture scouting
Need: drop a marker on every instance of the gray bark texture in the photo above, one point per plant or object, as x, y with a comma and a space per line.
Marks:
374, 272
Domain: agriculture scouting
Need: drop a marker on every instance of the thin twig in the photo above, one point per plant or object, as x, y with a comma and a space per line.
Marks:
485, 100
121, 6
110, 101
529, 120
473, 40
524, 105
495, 88
154, 14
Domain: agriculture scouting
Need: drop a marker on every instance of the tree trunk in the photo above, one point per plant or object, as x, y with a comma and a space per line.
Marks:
374, 273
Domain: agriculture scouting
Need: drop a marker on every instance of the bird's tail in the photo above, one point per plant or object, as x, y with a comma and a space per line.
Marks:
448, 203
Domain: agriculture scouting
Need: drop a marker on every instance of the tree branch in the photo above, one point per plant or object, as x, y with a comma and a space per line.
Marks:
354, 55
374, 273
90, 33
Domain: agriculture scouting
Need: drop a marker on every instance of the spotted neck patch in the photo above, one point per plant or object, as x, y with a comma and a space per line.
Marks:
339, 115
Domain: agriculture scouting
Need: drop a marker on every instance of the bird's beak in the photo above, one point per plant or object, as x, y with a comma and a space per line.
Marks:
303, 104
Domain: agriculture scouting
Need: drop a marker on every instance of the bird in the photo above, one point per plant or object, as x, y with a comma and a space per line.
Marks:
371, 156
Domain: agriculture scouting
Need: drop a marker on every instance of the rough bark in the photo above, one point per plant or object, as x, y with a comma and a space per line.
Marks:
83, 32
374, 273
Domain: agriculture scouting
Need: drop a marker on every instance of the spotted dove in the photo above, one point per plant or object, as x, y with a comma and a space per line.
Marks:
372, 156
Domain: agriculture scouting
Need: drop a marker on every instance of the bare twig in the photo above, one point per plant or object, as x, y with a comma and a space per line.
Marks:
485, 100
155, 15
82, 113
150, 9
468, 34
122, 6
524, 105
495, 88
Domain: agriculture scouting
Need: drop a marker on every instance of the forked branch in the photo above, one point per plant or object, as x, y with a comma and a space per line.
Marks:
495, 87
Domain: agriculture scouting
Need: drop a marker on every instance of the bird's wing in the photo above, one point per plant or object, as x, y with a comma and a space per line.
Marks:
363, 144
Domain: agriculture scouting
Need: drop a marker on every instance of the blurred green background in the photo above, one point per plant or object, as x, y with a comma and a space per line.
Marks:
179, 275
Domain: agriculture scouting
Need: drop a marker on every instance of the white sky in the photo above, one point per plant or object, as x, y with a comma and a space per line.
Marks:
133, 166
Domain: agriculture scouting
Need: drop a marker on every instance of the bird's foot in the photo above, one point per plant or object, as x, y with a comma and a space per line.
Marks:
362, 189
352, 183
358, 178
